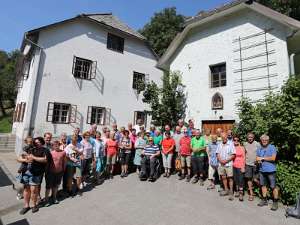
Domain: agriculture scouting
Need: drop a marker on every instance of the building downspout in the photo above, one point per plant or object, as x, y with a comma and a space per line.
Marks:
292, 64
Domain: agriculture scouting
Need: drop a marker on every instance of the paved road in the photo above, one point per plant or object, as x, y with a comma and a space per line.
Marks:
167, 201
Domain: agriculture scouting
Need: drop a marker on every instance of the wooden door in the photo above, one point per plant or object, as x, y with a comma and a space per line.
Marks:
213, 125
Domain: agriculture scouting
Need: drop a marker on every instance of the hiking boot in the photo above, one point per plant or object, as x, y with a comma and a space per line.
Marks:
181, 177
263, 202
24, 210
224, 193
195, 180
274, 206
188, 178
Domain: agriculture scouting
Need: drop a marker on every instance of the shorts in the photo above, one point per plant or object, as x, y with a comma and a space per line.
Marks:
199, 164
238, 177
73, 170
212, 170
28, 178
225, 171
53, 179
251, 172
186, 161
167, 160
86, 166
125, 158
111, 160
265, 178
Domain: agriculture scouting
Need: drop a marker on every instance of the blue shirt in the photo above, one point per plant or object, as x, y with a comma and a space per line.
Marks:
212, 151
69, 139
267, 152
151, 149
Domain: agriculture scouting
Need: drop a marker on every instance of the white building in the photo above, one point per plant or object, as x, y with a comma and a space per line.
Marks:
81, 71
239, 49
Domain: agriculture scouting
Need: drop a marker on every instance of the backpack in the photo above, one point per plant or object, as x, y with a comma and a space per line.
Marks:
294, 211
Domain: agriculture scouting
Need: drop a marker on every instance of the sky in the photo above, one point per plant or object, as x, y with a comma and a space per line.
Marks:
19, 16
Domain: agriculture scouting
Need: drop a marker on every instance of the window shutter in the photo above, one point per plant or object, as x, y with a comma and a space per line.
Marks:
26, 68
23, 106
50, 112
18, 113
147, 78
74, 63
93, 69
89, 115
107, 116
15, 116
102, 122
73, 113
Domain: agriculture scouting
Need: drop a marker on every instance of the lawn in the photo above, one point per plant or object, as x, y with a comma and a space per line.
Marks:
5, 124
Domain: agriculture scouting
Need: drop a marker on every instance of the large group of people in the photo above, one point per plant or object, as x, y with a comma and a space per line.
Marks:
79, 159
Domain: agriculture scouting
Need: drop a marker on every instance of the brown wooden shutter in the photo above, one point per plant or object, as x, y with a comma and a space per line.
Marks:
15, 113
89, 115
50, 108
93, 69
23, 106
73, 114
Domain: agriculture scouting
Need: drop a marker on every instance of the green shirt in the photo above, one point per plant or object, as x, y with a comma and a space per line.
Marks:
157, 140
198, 143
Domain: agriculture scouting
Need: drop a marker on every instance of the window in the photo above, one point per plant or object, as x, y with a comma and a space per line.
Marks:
138, 81
61, 113
218, 75
96, 115
115, 42
217, 101
23, 68
19, 112
140, 115
84, 68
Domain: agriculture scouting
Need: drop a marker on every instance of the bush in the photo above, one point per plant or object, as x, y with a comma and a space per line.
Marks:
288, 180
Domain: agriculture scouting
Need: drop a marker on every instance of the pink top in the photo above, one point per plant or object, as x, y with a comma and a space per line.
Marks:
239, 160
133, 139
58, 161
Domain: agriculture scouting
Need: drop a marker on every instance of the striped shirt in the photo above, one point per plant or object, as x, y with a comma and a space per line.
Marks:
226, 151
151, 149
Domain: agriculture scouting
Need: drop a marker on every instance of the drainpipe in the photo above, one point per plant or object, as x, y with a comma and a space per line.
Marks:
292, 64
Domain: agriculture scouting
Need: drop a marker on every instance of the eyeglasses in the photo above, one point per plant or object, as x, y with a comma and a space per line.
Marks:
235, 139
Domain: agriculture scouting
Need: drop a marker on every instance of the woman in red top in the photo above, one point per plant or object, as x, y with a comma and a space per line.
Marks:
167, 152
111, 149
239, 168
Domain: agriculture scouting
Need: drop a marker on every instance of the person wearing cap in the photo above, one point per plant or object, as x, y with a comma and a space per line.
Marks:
149, 157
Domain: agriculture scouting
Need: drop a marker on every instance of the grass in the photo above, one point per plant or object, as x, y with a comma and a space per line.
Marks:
5, 124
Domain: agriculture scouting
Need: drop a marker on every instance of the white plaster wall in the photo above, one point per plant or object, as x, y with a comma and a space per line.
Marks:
213, 44
112, 87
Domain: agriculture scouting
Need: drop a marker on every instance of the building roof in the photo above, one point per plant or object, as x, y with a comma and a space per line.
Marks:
217, 13
104, 19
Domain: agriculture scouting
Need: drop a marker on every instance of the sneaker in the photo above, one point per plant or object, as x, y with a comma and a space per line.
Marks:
24, 210
263, 202
195, 180
35, 209
241, 197
274, 206
168, 175
236, 195
181, 177
19, 196
47, 204
81, 186
210, 187
55, 201
165, 175
224, 193
188, 178
122, 175
79, 193
201, 182
125, 174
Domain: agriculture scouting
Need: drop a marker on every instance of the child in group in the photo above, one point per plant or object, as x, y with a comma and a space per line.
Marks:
55, 172
98, 156
111, 149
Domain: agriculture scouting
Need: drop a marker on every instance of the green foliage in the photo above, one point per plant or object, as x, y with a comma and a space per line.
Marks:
288, 7
7, 79
168, 103
288, 180
162, 29
5, 124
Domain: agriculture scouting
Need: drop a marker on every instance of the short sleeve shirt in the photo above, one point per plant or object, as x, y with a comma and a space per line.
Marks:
167, 144
157, 140
268, 151
151, 149
226, 151
111, 147
212, 151
177, 138
185, 146
198, 143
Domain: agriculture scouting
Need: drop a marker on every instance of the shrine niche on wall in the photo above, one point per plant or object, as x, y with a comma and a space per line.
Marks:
217, 101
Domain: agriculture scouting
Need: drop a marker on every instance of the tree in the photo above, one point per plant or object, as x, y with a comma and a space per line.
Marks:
162, 29
288, 7
168, 103
7, 80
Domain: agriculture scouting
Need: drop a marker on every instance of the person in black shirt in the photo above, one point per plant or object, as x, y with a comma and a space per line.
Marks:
32, 177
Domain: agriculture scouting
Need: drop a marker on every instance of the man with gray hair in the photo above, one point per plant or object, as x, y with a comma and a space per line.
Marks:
266, 156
